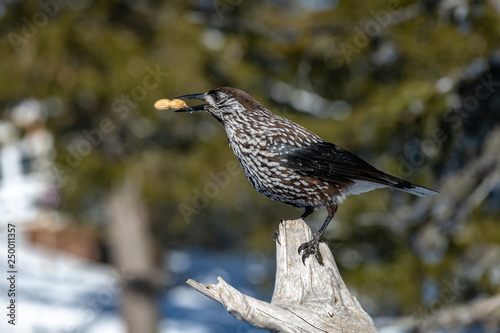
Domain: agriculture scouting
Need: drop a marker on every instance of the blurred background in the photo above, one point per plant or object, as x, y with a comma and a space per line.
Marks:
116, 204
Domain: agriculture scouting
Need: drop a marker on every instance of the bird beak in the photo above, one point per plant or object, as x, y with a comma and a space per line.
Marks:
200, 107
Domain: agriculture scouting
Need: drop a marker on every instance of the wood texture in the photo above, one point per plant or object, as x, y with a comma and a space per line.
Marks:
309, 298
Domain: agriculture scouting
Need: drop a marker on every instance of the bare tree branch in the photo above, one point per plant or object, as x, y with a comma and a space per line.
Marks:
309, 298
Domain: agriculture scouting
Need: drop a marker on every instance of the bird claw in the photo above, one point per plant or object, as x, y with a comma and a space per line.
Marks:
311, 247
276, 236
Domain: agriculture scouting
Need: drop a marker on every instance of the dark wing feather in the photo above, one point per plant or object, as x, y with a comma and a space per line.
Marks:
333, 164
330, 163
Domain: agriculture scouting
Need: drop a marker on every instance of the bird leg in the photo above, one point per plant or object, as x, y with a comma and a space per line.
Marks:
308, 211
311, 247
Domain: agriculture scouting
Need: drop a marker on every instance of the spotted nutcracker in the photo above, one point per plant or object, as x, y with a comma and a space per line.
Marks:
289, 163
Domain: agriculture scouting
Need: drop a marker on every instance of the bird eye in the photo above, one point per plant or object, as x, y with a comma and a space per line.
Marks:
218, 98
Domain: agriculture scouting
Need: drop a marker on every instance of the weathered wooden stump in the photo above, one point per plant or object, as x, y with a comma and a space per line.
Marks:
309, 298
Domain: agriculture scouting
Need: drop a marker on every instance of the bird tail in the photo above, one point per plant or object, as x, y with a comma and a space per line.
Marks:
409, 187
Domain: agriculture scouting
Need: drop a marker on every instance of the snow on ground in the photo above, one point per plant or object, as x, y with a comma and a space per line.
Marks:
56, 292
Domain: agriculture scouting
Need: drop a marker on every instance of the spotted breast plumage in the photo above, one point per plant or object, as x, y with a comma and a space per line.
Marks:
289, 163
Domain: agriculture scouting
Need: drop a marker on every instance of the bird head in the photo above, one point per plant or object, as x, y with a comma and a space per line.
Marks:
222, 102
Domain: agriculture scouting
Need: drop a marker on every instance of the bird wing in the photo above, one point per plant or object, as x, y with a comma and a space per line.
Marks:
327, 162
334, 164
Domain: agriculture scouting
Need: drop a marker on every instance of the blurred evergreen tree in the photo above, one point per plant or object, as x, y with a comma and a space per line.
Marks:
388, 80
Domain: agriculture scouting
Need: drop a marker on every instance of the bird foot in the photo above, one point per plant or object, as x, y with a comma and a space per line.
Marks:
276, 236
311, 247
